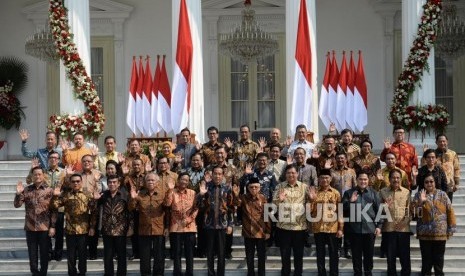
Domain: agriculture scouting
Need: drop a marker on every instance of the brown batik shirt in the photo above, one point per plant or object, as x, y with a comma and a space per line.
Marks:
115, 213
253, 221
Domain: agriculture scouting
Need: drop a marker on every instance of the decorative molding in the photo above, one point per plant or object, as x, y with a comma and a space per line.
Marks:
274, 23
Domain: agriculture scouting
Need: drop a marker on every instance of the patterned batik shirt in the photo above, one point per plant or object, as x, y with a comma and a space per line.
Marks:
440, 179
183, 210
369, 164
216, 206
254, 223
231, 174
380, 184
449, 162
151, 211
326, 205
406, 157
243, 152
399, 211
343, 179
80, 211
195, 176
208, 152
294, 203
134, 182
352, 150
267, 182
39, 215
116, 217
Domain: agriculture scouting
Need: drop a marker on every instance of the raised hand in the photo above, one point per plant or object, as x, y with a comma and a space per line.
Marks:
248, 168
121, 158
35, 162
203, 188
387, 143
19, 188
423, 196
354, 196
148, 166
228, 142
315, 153
311, 193
288, 141
178, 158
64, 145
97, 175
125, 169
332, 127
425, 147
152, 151
414, 171
94, 150
379, 175
24, 134
235, 190
171, 184
328, 164
290, 159
198, 146
69, 170
282, 195
56, 191
388, 201
97, 195
133, 193
262, 142
207, 176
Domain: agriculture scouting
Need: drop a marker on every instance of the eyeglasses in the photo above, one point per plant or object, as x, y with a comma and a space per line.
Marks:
53, 157
75, 181
87, 161
254, 187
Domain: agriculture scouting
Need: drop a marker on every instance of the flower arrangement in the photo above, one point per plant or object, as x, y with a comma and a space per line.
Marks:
92, 122
13, 79
419, 118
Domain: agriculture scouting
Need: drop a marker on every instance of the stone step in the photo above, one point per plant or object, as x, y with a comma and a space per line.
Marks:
15, 165
15, 172
8, 182
4, 204
17, 239
7, 195
273, 263
238, 251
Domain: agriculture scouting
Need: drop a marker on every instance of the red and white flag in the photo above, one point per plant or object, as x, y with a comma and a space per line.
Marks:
323, 107
182, 72
131, 114
139, 103
147, 100
332, 99
360, 96
341, 93
164, 100
350, 108
302, 100
154, 107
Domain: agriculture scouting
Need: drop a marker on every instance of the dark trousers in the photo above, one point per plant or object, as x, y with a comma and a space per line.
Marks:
250, 245
215, 239
321, 240
146, 245
343, 243
398, 244
228, 244
38, 243
112, 245
59, 233
450, 195
76, 247
135, 235
291, 240
432, 255
187, 240
362, 246
92, 242
201, 237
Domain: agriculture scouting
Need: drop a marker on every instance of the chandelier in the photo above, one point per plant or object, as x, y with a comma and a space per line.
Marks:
248, 42
450, 43
41, 45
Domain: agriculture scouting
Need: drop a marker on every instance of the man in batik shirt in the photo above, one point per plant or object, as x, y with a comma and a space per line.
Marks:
208, 149
243, 151
367, 162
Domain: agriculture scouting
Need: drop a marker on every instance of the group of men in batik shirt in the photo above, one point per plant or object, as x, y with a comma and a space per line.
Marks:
196, 193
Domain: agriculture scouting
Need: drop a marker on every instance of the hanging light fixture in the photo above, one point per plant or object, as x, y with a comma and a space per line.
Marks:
450, 43
248, 42
41, 45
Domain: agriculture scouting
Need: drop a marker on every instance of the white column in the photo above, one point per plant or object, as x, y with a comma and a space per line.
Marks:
196, 122
412, 11
292, 18
388, 49
211, 71
79, 19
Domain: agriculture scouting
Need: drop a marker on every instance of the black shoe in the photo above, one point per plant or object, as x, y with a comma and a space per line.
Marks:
133, 257
58, 258
93, 258
347, 255
228, 256
382, 255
